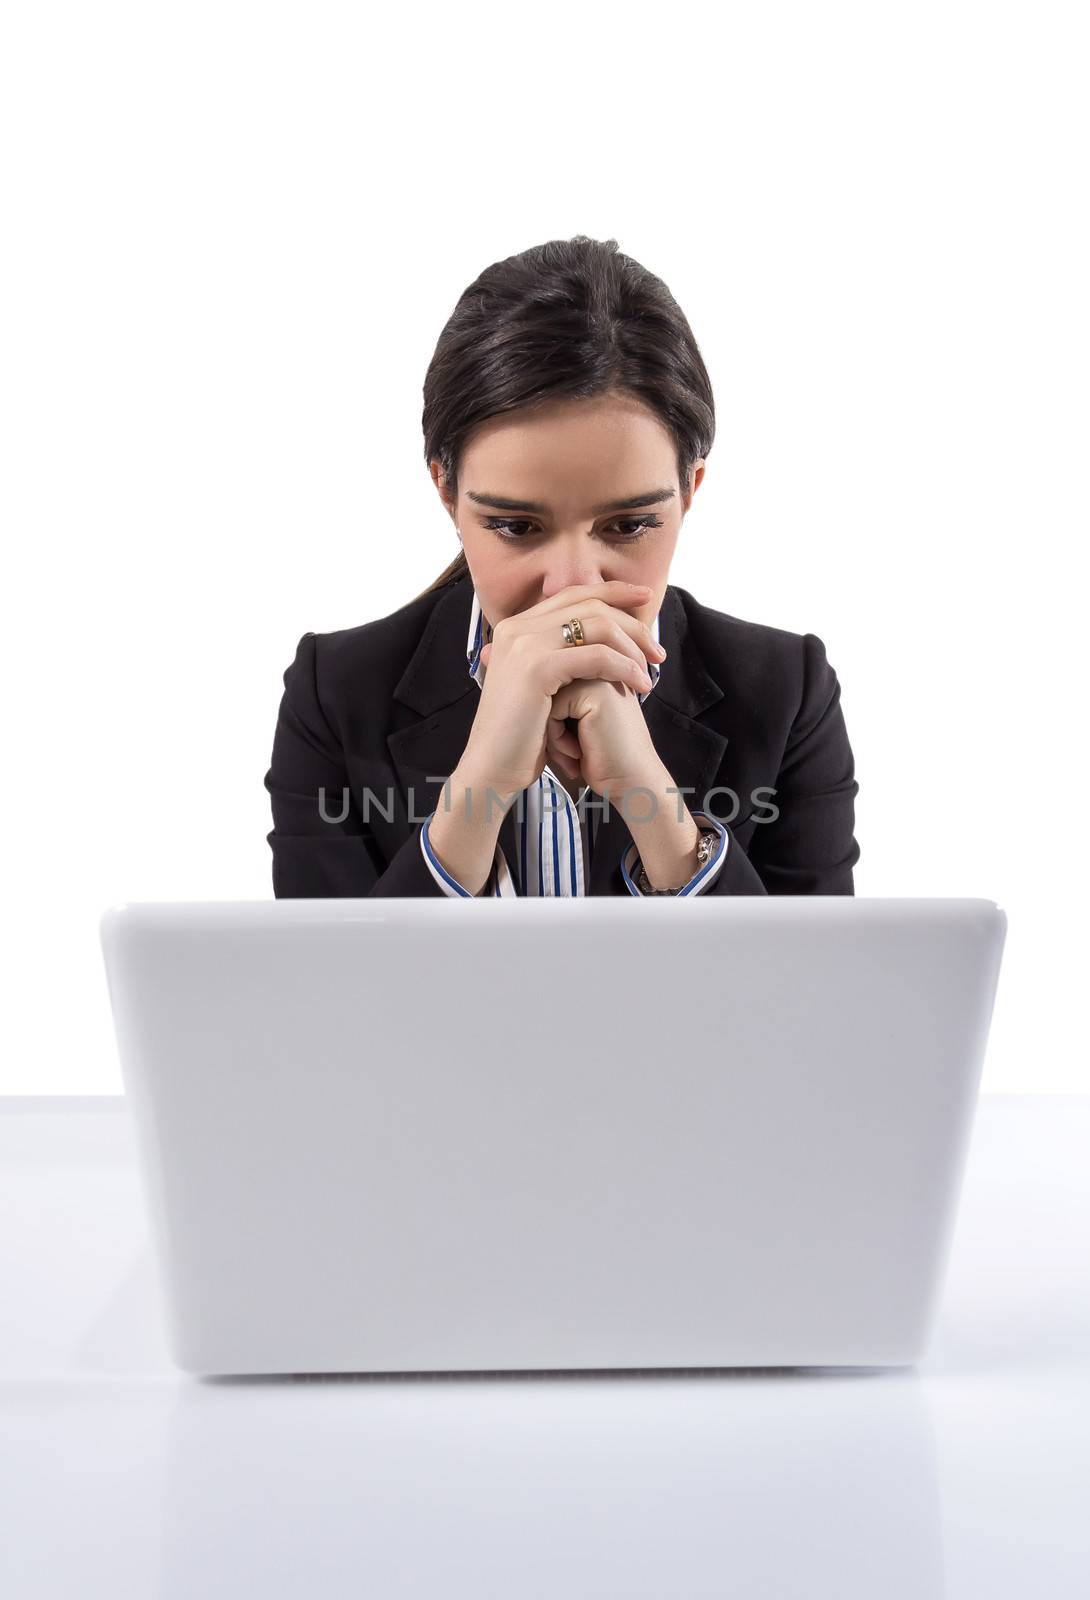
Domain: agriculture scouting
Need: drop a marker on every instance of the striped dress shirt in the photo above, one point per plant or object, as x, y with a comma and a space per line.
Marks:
556, 843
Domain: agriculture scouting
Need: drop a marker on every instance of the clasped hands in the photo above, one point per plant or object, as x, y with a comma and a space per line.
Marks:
597, 735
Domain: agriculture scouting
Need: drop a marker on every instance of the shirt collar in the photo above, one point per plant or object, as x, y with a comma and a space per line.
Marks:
480, 632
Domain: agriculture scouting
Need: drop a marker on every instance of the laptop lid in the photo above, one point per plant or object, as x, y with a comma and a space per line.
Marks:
414, 1135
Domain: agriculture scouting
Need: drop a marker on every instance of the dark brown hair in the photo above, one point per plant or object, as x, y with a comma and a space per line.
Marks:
573, 317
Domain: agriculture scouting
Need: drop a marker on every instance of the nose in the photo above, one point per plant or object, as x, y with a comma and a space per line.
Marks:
568, 561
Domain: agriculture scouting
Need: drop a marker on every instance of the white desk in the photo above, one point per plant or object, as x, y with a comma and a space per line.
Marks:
119, 1475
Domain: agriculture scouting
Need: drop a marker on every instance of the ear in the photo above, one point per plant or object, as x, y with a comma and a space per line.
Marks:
696, 478
439, 478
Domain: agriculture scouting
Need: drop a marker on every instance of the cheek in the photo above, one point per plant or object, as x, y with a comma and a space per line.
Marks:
501, 599
654, 552
491, 577
653, 569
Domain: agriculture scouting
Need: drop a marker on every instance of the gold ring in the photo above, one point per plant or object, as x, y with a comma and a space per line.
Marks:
573, 631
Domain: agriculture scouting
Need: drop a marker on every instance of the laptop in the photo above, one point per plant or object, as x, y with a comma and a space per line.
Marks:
417, 1135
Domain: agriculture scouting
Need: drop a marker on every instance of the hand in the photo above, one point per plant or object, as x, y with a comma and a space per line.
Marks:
597, 735
529, 665
611, 750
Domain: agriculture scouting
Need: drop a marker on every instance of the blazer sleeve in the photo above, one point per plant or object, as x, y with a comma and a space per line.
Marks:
810, 846
313, 857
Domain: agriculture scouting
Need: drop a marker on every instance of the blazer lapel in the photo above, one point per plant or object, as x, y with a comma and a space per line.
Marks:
437, 686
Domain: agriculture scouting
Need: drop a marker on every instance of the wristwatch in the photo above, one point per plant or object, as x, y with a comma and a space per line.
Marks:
704, 852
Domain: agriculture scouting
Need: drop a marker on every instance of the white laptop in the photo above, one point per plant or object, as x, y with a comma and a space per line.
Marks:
416, 1135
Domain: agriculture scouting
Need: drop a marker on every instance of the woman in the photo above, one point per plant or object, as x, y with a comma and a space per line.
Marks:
552, 716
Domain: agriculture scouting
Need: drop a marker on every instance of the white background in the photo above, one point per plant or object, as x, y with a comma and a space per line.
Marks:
232, 234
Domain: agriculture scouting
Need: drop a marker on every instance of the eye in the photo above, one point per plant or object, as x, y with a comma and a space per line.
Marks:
504, 525
636, 527
632, 528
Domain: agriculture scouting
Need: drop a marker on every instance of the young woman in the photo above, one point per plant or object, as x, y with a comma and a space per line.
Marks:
552, 716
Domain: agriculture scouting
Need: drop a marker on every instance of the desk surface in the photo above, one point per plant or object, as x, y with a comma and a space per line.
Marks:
121, 1476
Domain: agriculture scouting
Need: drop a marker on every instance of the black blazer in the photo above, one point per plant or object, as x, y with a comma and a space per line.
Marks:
380, 707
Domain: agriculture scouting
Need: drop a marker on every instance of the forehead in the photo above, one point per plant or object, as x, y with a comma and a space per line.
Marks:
606, 445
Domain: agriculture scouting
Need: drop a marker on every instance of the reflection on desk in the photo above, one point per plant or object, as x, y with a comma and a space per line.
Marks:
120, 1475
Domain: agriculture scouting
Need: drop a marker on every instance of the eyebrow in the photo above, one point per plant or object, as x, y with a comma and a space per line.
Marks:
654, 497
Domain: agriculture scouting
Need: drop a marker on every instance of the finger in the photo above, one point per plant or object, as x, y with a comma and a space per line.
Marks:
567, 766
617, 591
624, 648
563, 740
605, 624
559, 667
564, 765
634, 638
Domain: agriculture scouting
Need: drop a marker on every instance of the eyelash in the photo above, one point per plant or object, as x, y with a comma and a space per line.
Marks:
496, 524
